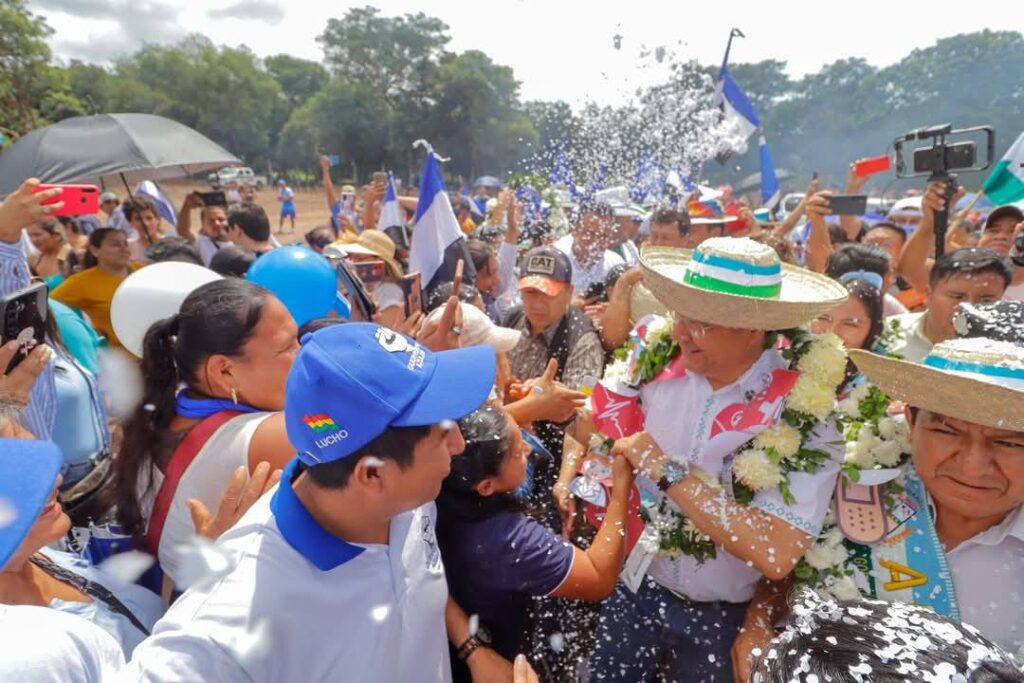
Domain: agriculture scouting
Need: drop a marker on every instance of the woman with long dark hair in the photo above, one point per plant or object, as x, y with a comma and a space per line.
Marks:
231, 345
496, 557
858, 321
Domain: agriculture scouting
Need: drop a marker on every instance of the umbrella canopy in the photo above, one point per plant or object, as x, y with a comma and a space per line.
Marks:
487, 181
110, 148
753, 181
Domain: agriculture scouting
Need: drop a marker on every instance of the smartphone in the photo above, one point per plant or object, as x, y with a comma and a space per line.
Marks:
217, 198
412, 288
814, 176
355, 288
380, 178
24, 315
848, 204
866, 167
370, 271
79, 200
334, 159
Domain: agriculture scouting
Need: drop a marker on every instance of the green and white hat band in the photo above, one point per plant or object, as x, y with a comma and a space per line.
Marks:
995, 362
728, 274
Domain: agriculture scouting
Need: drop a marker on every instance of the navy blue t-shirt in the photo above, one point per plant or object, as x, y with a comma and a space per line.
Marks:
495, 565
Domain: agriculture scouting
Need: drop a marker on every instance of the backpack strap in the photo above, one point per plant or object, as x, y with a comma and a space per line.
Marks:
180, 460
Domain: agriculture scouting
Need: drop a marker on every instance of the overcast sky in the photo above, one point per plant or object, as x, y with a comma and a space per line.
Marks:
559, 49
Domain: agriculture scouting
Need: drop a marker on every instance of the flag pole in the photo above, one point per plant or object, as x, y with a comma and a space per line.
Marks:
728, 46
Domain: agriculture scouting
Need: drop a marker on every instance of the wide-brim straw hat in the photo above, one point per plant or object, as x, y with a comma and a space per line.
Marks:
370, 243
801, 295
975, 379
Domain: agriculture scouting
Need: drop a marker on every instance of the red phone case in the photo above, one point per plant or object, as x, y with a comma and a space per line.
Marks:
79, 200
866, 167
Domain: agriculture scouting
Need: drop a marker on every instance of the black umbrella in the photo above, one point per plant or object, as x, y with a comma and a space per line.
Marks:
110, 148
753, 181
487, 181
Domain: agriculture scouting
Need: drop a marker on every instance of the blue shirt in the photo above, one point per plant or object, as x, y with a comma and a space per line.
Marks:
494, 565
146, 606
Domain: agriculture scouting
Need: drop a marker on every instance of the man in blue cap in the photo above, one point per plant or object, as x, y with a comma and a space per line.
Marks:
40, 643
336, 574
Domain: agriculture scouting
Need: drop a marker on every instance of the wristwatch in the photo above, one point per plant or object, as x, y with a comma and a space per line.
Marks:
672, 473
482, 638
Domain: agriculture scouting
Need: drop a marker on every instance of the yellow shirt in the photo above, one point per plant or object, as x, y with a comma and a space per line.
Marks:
91, 291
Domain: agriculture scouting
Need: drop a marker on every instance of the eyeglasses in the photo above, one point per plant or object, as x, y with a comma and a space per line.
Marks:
695, 330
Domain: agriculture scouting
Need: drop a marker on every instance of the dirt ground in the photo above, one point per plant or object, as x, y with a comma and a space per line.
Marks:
310, 206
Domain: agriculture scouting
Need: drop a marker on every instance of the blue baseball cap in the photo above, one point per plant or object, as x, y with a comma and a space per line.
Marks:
351, 382
28, 472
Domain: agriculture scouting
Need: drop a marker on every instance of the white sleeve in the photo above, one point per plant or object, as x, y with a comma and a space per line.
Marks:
507, 254
813, 492
183, 656
45, 645
388, 295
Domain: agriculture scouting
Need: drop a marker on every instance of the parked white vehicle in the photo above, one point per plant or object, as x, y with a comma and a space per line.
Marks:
240, 174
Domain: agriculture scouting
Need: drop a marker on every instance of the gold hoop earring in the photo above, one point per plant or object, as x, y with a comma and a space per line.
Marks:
234, 396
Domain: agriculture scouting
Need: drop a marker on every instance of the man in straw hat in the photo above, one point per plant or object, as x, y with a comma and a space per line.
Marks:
965, 410
681, 618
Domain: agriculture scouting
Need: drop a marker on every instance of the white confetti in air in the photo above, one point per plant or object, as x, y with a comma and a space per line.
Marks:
447, 425
8, 513
373, 461
127, 567
120, 381
201, 563
557, 642
380, 612
474, 624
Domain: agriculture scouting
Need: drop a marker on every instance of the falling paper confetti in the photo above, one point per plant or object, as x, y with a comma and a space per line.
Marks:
127, 567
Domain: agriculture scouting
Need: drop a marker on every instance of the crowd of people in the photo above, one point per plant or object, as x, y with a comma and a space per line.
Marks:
611, 442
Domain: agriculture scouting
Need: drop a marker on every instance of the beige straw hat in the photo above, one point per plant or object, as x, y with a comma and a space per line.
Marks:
736, 282
975, 379
371, 243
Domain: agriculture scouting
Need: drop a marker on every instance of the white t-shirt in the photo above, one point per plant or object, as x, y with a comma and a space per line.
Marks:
207, 247
582, 276
205, 480
683, 415
43, 645
299, 604
388, 295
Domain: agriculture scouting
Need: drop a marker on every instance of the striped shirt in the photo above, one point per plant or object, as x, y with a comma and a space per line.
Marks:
39, 415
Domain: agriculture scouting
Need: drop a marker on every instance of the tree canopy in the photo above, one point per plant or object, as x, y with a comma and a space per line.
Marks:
386, 81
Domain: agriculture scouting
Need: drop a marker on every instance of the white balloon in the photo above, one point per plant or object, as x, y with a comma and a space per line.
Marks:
151, 294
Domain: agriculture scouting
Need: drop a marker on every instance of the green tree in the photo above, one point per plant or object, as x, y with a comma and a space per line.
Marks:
32, 91
477, 116
222, 92
391, 55
299, 79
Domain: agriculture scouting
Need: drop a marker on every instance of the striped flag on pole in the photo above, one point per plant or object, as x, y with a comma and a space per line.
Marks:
437, 240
